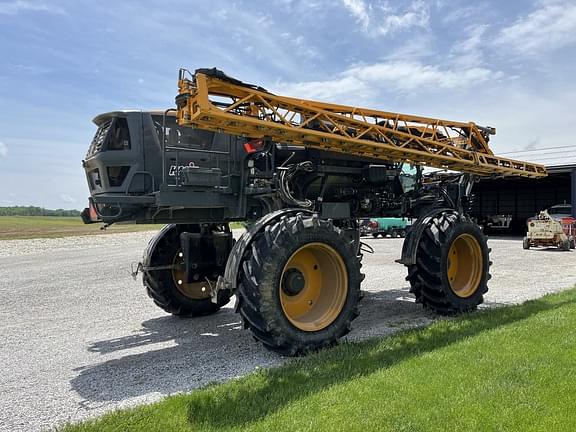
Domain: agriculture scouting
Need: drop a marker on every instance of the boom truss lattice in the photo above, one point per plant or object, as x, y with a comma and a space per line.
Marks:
211, 100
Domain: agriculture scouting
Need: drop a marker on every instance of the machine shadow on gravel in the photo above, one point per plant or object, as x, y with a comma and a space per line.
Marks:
170, 328
212, 348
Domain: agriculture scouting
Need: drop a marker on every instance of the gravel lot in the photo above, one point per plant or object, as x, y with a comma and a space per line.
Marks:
79, 337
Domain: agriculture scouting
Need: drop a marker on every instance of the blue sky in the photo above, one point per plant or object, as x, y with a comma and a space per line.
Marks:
511, 65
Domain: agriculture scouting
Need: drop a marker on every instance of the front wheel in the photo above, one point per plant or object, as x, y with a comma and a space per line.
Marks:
526, 243
452, 265
299, 285
164, 273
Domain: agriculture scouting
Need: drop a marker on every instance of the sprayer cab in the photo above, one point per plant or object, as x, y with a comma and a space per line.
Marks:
137, 160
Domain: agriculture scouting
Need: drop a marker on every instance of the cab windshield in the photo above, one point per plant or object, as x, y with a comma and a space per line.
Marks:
409, 177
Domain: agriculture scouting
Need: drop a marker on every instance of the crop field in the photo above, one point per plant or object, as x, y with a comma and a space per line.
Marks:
26, 227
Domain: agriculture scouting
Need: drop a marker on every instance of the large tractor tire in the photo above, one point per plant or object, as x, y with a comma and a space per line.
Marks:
299, 285
164, 276
526, 243
452, 266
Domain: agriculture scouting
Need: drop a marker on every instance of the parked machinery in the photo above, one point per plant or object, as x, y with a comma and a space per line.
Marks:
393, 227
546, 231
300, 173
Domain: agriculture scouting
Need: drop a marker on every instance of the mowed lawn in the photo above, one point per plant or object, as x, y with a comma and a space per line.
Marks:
511, 368
26, 227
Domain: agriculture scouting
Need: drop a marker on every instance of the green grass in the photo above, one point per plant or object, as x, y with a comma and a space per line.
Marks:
511, 368
27, 227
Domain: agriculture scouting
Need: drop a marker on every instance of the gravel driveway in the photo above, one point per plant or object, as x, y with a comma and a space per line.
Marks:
79, 337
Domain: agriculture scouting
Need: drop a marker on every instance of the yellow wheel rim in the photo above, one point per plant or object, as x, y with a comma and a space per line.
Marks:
313, 287
198, 290
465, 265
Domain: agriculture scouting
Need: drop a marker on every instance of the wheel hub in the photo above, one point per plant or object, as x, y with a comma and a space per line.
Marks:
314, 287
465, 264
293, 282
199, 289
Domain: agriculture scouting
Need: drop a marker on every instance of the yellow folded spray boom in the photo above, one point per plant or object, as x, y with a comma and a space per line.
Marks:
211, 100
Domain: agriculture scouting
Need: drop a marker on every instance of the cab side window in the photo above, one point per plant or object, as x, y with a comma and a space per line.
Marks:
183, 136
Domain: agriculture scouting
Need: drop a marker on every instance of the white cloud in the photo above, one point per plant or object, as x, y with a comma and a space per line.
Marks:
382, 19
3, 150
17, 6
359, 10
300, 46
67, 199
28, 69
551, 26
342, 89
415, 48
364, 82
457, 15
517, 113
469, 52
405, 76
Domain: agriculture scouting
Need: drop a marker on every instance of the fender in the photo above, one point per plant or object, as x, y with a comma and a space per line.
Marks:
230, 279
152, 244
415, 233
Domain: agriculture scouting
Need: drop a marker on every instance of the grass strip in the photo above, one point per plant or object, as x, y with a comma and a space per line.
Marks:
511, 368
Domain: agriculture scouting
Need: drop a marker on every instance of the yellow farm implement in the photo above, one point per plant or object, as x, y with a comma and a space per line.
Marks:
211, 100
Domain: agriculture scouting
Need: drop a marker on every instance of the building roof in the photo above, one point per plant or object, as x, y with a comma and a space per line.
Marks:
556, 159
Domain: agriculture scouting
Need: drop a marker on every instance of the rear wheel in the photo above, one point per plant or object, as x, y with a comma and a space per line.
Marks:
452, 265
526, 243
164, 275
565, 245
299, 285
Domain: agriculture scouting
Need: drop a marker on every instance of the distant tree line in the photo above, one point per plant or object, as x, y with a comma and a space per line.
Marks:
36, 211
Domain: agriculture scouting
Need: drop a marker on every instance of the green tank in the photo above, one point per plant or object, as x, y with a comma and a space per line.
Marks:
390, 226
